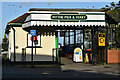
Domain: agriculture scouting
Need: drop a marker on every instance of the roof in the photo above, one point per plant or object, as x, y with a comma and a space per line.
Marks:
19, 19
22, 18
77, 9
114, 14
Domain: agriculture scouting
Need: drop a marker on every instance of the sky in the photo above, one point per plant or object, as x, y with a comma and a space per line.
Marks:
12, 10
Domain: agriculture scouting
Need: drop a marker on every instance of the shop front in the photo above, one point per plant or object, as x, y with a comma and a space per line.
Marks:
75, 24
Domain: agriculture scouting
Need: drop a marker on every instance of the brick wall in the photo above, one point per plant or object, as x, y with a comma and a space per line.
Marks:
113, 56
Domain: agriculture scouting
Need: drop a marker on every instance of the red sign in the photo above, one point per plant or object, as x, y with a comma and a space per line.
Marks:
34, 38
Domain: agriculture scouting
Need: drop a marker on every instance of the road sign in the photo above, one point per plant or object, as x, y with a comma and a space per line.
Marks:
34, 38
33, 32
101, 39
29, 40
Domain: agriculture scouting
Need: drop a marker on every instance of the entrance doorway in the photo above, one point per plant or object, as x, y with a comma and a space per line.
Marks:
69, 39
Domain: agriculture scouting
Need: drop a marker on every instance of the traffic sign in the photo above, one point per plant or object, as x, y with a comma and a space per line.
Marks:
33, 32
101, 39
34, 38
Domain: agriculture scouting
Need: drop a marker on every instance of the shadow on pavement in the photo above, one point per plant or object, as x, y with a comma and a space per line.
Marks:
49, 71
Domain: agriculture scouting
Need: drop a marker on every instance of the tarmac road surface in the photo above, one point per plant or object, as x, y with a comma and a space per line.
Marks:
68, 69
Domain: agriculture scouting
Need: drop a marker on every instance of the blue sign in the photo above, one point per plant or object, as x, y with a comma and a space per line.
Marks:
33, 32
76, 52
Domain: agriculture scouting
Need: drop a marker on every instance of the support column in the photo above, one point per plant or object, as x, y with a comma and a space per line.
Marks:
92, 43
80, 37
107, 40
69, 37
83, 43
74, 38
56, 44
64, 41
14, 43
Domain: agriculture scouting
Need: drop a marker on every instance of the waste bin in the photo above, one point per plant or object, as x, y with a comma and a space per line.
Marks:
4, 55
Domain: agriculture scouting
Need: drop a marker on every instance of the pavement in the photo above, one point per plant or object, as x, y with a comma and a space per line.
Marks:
68, 69
99, 71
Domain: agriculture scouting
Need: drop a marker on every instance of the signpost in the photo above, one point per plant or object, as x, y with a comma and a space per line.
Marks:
33, 33
101, 39
35, 42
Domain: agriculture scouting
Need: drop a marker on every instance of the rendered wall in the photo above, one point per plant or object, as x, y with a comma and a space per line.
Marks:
42, 54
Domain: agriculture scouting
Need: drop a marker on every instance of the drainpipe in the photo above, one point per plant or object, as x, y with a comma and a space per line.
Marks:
14, 43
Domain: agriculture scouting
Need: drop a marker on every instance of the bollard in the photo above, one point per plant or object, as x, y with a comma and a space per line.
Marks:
90, 58
22, 58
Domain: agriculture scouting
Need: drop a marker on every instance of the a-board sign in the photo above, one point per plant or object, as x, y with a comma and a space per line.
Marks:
33, 32
78, 56
101, 39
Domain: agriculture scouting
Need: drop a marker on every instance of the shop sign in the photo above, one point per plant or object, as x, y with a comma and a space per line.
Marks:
101, 39
70, 17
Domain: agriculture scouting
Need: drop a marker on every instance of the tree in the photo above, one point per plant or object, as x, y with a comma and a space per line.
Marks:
5, 43
112, 4
118, 4
5, 38
106, 6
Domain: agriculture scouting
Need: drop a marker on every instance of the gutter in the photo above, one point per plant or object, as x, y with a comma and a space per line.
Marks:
14, 43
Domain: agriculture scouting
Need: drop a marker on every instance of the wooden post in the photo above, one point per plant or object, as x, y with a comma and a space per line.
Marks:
106, 44
92, 43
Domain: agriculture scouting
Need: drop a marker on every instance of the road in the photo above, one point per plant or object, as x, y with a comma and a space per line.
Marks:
68, 69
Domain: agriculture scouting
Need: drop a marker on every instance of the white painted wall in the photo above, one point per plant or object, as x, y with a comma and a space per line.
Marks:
42, 54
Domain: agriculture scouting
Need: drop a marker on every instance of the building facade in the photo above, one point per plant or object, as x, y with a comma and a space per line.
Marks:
47, 22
